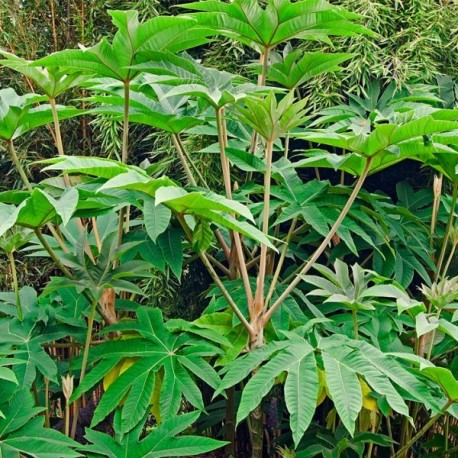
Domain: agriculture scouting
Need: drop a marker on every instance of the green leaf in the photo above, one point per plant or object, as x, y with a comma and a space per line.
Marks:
137, 402
345, 390
301, 392
156, 218
202, 236
445, 379
262, 381
169, 243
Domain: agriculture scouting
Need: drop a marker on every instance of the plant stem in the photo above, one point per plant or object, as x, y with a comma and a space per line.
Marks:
318, 252
18, 165
15, 285
390, 433
183, 160
188, 158
125, 127
447, 231
47, 422
87, 345
227, 185
216, 279
449, 260
423, 430
355, 324
222, 153
446, 433
273, 284
259, 297
437, 190
52, 253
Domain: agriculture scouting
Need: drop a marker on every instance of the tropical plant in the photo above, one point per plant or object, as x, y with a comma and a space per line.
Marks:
270, 326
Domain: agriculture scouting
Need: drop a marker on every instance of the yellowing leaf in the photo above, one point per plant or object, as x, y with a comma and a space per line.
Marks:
369, 402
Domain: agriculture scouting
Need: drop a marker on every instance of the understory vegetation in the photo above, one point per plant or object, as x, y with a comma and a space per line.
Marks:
229, 229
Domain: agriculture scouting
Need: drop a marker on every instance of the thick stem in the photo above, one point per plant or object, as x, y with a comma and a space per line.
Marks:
447, 231
87, 345
230, 422
183, 160
259, 297
422, 431
18, 165
319, 251
256, 429
15, 285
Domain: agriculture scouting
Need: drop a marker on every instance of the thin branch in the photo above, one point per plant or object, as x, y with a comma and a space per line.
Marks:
273, 284
447, 231
183, 161
52, 253
220, 266
423, 430
217, 280
319, 251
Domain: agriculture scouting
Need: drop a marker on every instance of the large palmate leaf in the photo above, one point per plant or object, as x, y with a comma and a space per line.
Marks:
96, 277
397, 139
353, 291
26, 338
156, 356
296, 67
22, 433
20, 113
207, 206
216, 87
272, 119
344, 361
115, 60
51, 81
161, 442
159, 110
248, 22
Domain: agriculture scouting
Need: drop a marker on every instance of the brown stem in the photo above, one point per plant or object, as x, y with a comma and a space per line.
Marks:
259, 297
318, 252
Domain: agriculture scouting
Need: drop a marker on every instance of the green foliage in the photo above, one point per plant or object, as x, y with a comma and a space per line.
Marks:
276, 332
162, 441
22, 432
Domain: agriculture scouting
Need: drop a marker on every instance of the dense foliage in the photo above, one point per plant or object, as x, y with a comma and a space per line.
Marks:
248, 288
